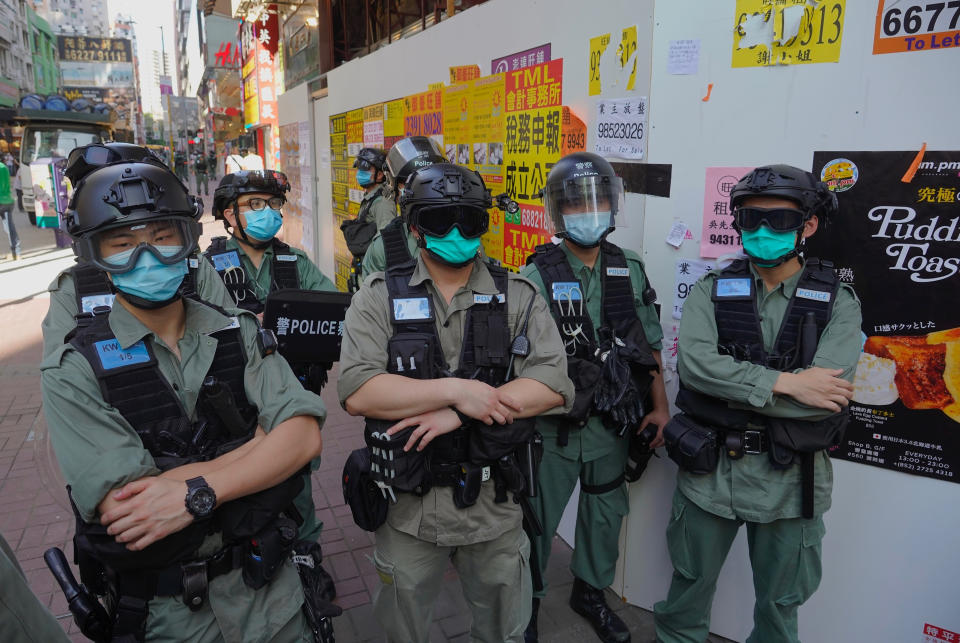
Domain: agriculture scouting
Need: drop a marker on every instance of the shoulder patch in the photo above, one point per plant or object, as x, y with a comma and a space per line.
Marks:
113, 356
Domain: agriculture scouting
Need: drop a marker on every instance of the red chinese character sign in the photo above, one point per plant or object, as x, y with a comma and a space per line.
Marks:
259, 41
897, 241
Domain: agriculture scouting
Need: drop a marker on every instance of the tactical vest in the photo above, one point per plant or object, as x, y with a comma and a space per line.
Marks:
740, 336
93, 289
414, 351
619, 317
394, 236
284, 272
131, 381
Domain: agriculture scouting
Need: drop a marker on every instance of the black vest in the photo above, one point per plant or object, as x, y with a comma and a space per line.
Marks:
284, 272
619, 318
394, 237
93, 289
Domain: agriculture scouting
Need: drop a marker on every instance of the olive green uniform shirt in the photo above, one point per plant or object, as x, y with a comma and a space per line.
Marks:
594, 440
23, 619
61, 316
382, 210
99, 451
260, 278
375, 259
368, 328
750, 488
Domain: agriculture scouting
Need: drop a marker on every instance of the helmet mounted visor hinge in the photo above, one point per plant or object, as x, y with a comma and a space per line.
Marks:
133, 191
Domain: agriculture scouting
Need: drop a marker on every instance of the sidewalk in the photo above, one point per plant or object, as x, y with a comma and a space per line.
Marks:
35, 515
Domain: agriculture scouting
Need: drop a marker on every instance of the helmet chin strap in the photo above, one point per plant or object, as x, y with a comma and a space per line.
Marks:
146, 304
256, 245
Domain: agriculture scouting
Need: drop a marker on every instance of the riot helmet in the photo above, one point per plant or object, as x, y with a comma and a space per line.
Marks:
448, 205
269, 182
370, 157
408, 155
583, 198
772, 236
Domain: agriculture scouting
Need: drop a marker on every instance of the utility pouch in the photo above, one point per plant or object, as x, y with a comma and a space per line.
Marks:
490, 443
467, 490
691, 445
390, 464
791, 437
264, 553
367, 503
413, 355
585, 376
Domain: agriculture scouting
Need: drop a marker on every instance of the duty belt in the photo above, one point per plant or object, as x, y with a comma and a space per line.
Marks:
747, 442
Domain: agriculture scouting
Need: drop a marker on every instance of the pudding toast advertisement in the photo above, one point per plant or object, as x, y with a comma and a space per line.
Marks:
897, 242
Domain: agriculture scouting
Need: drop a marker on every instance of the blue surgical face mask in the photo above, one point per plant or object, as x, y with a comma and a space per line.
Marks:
149, 279
588, 228
364, 177
264, 224
453, 247
766, 246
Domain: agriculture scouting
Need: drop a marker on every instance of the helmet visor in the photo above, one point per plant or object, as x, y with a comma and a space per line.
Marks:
598, 195
781, 219
438, 220
118, 248
413, 148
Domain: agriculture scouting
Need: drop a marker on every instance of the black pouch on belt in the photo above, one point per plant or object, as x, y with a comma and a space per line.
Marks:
390, 464
691, 445
490, 443
264, 553
367, 503
467, 490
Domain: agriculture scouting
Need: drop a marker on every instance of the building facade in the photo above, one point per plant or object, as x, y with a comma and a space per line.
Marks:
43, 47
16, 63
75, 17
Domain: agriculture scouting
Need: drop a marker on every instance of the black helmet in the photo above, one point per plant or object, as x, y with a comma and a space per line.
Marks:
128, 193
440, 185
410, 154
248, 182
788, 182
370, 156
585, 182
83, 160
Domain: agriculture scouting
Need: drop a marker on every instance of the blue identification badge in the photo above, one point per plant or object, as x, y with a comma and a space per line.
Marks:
113, 356
567, 290
226, 261
815, 295
733, 287
411, 309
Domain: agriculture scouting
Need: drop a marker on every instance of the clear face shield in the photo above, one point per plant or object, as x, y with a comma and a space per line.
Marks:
586, 207
117, 249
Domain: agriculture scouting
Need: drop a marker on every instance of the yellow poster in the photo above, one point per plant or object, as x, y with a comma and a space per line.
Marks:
340, 179
488, 128
598, 45
393, 118
787, 32
457, 116
627, 53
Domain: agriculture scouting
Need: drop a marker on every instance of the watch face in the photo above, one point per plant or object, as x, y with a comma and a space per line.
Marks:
202, 501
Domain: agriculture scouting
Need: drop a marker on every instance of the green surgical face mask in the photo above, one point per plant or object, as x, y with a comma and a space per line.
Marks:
453, 248
766, 247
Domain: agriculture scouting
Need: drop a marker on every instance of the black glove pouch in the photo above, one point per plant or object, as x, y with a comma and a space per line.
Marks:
585, 376
691, 445
490, 443
264, 553
390, 464
367, 503
789, 437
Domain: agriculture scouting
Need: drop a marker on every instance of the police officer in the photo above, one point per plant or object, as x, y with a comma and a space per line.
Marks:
395, 244
22, 616
253, 263
377, 206
179, 434
432, 346
83, 287
597, 291
200, 171
767, 352
212, 164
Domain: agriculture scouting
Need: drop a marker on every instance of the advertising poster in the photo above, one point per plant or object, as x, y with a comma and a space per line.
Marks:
340, 180
534, 114
464, 73
488, 128
621, 125
457, 130
898, 244
424, 114
573, 133
521, 59
354, 145
393, 113
373, 126
718, 236
915, 26
787, 32
687, 273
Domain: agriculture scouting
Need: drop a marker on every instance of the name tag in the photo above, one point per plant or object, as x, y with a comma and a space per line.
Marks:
567, 290
88, 303
226, 261
815, 295
733, 287
112, 356
287, 258
486, 299
193, 263
411, 309
618, 272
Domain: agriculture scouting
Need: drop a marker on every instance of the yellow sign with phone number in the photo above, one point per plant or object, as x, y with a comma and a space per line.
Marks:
787, 33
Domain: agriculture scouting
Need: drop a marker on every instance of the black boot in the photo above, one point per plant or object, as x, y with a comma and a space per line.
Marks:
588, 602
530, 635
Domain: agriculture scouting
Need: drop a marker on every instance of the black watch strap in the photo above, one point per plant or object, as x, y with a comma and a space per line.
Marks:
196, 483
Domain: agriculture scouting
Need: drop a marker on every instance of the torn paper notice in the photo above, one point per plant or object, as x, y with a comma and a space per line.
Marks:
756, 29
688, 271
683, 56
790, 18
677, 234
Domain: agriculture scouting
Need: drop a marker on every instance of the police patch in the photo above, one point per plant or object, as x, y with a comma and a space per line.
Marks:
411, 309
286, 257
739, 287
815, 295
618, 272
486, 299
113, 356
226, 261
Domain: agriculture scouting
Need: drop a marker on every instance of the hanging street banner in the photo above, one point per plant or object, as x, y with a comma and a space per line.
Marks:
897, 241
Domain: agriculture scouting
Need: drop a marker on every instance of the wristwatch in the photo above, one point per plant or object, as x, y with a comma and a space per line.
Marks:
201, 499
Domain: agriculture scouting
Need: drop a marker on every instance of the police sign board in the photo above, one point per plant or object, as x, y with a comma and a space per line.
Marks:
308, 323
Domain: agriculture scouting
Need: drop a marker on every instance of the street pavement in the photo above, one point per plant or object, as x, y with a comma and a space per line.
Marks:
35, 514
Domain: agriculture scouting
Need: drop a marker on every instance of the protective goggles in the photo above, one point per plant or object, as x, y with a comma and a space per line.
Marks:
437, 221
780, 219
361, 164
256, 203
118, 249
